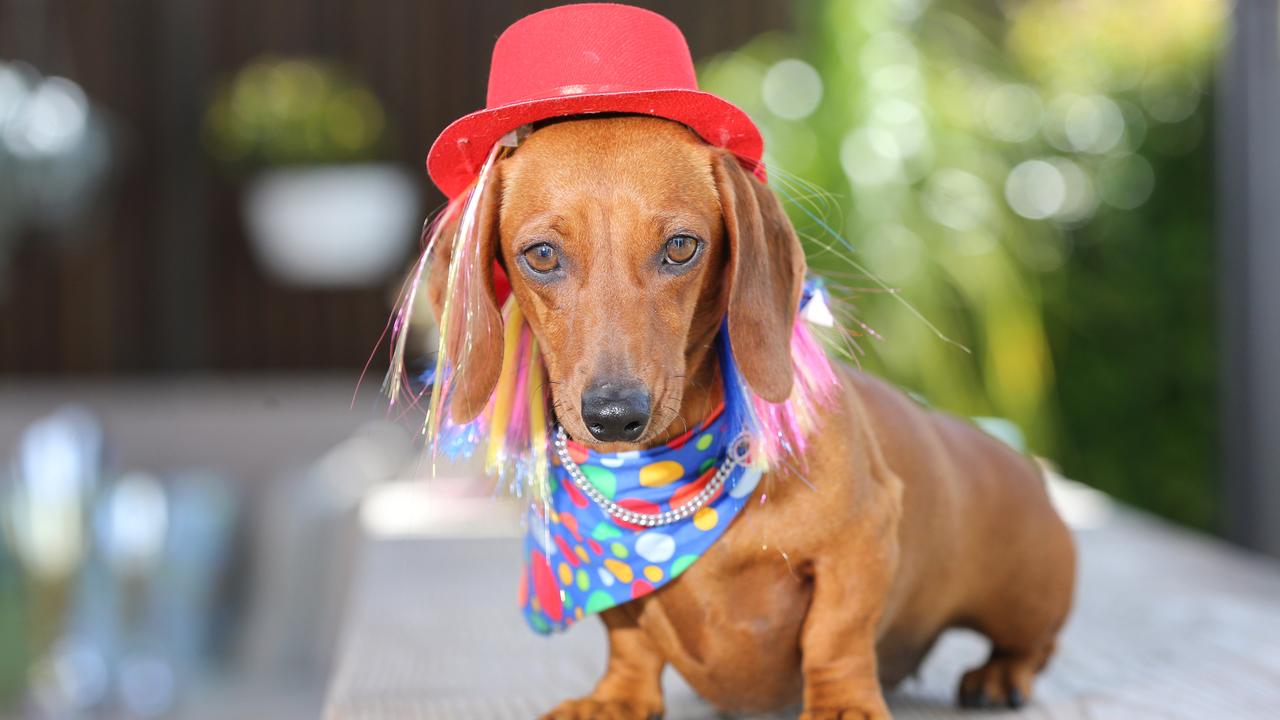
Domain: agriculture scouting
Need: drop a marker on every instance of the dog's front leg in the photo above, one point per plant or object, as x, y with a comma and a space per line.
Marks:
631, 688
838, 641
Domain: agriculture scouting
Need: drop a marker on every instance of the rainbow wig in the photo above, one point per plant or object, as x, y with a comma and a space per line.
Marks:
514, 427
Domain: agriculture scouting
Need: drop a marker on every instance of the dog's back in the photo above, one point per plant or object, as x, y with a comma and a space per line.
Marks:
981, 545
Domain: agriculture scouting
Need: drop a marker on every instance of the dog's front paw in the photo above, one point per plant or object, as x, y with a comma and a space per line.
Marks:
844, 714
593, 709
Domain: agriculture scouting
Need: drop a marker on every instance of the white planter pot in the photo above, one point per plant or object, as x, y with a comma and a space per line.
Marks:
333, 225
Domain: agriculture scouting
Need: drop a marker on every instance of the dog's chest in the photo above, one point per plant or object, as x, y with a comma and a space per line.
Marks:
731, 624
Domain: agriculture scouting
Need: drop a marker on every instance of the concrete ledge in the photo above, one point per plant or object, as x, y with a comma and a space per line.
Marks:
1168, 624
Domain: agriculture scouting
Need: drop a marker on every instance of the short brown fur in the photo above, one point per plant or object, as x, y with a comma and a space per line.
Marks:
907, 522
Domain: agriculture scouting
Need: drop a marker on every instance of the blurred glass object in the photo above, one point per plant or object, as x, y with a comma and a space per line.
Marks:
320, 211
1032, 178
46, 507
55, 154
147, 686
59, 466
111, 585
136, 522
70, 681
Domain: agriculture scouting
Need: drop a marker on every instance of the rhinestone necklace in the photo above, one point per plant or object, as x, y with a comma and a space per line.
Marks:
737, 455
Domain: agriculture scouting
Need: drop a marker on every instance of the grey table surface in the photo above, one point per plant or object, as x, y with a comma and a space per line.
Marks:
1168, 624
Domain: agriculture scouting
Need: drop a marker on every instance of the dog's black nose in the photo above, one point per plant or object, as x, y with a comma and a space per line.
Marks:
615, 411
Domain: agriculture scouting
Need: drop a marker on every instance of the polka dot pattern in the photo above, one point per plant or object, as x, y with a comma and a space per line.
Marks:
604, 480
660, 473
605, 531
746, 484
706, 519
544, 587
681, 564
593, 562
620, 570
655, 546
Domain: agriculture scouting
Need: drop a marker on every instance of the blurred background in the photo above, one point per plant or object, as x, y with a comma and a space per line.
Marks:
207, 209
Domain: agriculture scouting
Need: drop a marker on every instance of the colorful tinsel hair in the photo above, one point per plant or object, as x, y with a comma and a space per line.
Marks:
514, 426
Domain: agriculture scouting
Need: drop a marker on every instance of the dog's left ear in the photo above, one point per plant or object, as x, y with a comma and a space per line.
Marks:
766, 276
476, 346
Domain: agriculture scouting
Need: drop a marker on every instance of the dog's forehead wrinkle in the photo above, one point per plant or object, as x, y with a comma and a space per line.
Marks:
645, 148
613, 133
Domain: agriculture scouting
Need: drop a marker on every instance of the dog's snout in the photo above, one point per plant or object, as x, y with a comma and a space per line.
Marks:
615, 410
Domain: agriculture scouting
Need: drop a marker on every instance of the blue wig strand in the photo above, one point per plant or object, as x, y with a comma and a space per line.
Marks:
738, 407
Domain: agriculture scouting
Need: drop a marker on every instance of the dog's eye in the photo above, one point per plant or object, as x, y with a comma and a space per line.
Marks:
542, 258
680, 250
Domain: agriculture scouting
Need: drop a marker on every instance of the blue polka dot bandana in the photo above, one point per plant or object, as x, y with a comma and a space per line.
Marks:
579, 560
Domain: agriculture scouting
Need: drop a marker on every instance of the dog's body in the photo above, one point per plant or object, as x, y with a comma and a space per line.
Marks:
905, 522
915, 522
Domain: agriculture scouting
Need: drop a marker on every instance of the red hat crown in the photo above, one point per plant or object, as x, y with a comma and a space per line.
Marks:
582, 59
581, 49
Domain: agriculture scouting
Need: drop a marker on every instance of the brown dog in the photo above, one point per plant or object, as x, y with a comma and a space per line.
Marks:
907, 523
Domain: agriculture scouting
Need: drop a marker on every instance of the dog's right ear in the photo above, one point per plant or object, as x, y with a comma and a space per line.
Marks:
473, 331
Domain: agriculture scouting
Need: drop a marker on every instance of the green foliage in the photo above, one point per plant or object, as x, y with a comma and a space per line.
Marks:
1132, 323
293, 112
1036, 185
14, 649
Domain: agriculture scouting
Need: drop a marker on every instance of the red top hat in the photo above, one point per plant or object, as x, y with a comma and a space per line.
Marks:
592, 58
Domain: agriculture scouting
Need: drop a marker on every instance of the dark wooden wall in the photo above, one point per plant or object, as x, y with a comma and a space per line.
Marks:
161, 279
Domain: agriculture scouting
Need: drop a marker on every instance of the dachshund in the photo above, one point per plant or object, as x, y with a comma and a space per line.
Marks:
906, 522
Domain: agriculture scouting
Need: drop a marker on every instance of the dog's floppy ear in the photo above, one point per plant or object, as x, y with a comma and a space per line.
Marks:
473, 335
766, 275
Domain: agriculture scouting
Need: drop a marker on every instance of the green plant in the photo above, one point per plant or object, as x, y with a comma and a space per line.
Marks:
1033, 181
14, 651
293, 112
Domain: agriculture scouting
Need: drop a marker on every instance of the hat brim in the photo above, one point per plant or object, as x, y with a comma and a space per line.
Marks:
456, 156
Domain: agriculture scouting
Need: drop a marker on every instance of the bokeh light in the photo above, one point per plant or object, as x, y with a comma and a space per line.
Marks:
791, 89
983, 162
